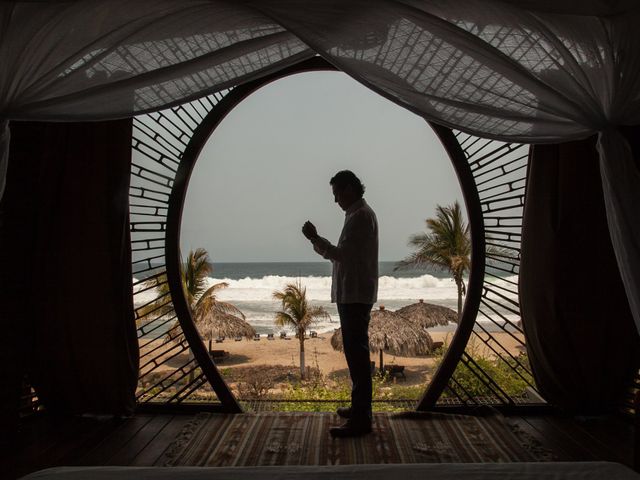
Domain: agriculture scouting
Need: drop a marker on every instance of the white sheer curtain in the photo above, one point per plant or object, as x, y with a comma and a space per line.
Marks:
104, 59
523, 71
621, 186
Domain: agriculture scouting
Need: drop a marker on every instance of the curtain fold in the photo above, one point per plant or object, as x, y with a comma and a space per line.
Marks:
582, 342
67, 252
98, 60
621, 184
488, 67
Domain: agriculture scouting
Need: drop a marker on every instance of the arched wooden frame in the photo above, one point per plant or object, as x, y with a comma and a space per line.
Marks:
174, 217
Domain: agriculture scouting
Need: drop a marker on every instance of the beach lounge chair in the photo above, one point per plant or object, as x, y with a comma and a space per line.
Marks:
395, 371
256, 337
283, 335
218, 355
270, 336
219, 339
313, 334
238, 338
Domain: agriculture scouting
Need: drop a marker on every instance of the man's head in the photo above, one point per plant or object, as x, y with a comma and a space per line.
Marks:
347, 188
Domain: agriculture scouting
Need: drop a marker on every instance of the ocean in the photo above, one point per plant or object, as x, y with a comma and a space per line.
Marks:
251, 286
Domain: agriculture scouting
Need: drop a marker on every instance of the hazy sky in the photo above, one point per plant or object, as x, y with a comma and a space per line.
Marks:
266, 169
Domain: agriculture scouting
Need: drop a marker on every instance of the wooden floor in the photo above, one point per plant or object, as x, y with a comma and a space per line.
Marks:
141, 440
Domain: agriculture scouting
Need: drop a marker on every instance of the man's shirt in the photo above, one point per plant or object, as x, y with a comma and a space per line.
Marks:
355, 257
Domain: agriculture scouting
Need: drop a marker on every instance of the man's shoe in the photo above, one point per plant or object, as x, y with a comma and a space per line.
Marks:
350, 429
344, 412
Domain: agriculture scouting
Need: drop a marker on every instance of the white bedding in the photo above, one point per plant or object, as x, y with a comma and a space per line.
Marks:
425, 471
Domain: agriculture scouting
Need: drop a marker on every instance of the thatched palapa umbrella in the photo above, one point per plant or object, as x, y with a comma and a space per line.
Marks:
427, 315
220, 319
220, 324
391, 333
213, 320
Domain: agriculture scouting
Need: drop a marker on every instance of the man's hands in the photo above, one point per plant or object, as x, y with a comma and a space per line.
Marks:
309, 230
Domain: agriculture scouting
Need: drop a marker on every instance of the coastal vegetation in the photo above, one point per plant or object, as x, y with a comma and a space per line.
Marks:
201, 298
296, 312
445, 245
274, 385
258, 376
511, 373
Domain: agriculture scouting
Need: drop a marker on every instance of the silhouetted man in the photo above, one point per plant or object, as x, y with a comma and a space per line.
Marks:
354, 288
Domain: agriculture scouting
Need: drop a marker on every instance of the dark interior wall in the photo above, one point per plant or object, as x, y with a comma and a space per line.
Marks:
66, 266
582, 341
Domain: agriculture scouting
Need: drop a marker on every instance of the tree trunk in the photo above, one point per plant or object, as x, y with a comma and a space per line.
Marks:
381, 363
459, 285
301, 338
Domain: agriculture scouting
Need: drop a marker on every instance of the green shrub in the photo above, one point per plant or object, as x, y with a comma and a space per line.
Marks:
319, 393
509, 374
324, 396
313, 397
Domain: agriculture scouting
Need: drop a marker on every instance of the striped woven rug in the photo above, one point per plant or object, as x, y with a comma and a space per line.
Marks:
303, 439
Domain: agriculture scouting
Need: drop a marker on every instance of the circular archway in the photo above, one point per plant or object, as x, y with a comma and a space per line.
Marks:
472, 162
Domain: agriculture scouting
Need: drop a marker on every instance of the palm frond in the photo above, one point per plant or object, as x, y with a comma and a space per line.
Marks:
318, 313
209, 313
195, 271
209, 298
283, 319
445, 245
293, 299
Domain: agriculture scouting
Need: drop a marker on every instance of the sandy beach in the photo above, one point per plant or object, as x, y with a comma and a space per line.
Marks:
331, 363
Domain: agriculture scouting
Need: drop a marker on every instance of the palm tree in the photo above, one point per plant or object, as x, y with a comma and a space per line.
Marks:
297, 313
194, 274
200, 299
446, 245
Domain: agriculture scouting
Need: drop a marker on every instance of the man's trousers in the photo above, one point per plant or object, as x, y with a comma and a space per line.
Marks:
354, 322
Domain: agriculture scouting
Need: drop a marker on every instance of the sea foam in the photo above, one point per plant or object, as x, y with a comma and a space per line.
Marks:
426, 287
254, 296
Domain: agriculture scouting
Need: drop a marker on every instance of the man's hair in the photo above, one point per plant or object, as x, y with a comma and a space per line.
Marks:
347, 177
